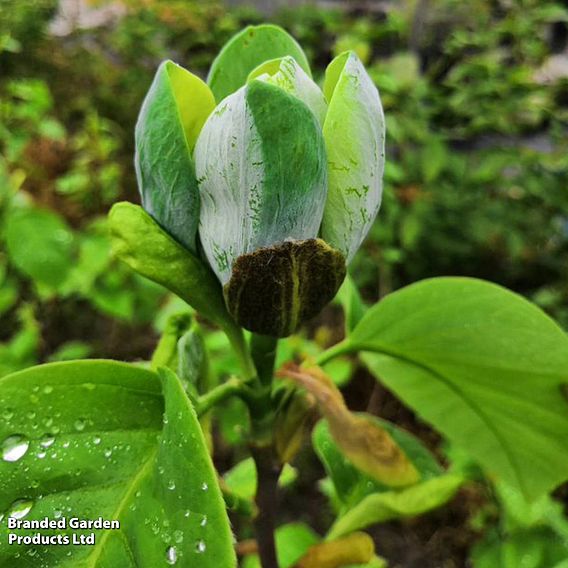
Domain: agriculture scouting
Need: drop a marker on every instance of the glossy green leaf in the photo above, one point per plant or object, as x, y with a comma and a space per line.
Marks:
481, 364
171, 117
40, 245
285, 73
95, 438
261, 181
245, 51
140, 242
354, 133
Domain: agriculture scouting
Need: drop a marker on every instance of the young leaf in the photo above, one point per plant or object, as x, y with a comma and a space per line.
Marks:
242, 480
363, 441
141, 243
173, 112
247, 50
93, 438
352, 485
481, 364
166, 352
410, 502
357, 548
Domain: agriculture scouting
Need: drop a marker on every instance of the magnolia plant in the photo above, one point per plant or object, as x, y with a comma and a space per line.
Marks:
277, 181
257, 189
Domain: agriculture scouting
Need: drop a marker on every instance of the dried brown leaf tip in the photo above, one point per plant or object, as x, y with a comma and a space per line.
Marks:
357, 548
369, 447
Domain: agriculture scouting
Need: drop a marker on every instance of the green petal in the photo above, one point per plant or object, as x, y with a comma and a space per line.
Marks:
261, 165
354, 133
245, 51
285, 73
173, 112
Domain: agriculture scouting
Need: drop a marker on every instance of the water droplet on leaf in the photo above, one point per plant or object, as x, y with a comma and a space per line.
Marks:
14, 448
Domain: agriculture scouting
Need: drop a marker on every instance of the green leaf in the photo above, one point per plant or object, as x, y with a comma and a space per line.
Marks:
354, 133
245, 51
242, 480
40, 245
481, 364
171, 117
352, 485
261, 181
140, 242
92, 438
536, 548
410, 502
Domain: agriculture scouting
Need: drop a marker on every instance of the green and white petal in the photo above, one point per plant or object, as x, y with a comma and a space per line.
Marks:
285, 73
171, 117
354, 133
245, 51
261, 165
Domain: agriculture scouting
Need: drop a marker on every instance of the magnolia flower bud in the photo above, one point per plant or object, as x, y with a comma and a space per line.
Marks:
281, 181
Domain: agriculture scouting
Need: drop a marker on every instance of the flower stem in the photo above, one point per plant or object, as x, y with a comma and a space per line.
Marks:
268, 471
263, 450
237, 339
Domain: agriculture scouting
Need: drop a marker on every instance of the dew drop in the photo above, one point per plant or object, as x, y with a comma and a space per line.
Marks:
171, 485
47, 441
200, 546
187, 513
79, 425
20, 508
8, 414
203, 521
171, 555
108, 453
178, 536
204, 487
14, 448
97, 440
47, 389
